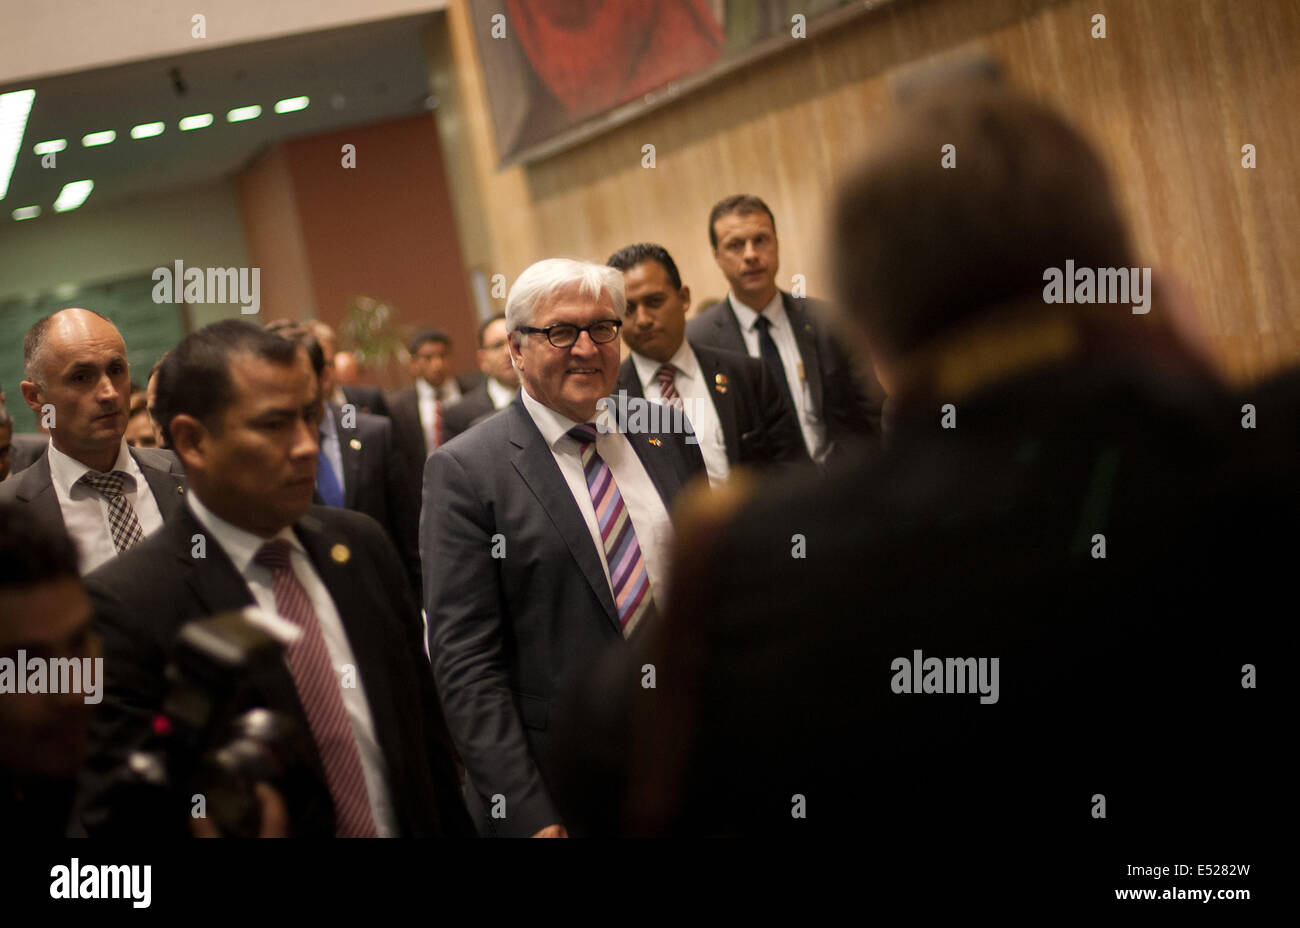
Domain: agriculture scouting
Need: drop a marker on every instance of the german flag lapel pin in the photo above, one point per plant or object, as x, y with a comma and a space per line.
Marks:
720, 382
656, 442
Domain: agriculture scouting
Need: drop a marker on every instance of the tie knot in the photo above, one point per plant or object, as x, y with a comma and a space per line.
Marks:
109, 485
584, 434
274, 554
666, 372
762, 323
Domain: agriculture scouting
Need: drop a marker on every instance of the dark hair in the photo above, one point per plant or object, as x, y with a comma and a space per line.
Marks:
428, 335
30, 552
195, 380
742, 203
920, 248
482, 330
301, 335
34, 340
153, 370
627, 258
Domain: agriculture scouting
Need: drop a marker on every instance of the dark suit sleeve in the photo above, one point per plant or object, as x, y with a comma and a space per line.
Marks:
403, 509
467, 637
853, 398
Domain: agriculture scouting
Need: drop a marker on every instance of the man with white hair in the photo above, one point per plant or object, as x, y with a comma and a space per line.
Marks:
544, 540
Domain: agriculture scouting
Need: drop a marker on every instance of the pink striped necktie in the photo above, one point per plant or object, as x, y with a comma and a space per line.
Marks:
667, 375
627, 569
322, 700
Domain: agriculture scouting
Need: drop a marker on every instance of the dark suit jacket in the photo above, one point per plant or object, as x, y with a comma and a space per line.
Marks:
473, 406
26, 449
848, 401
34, 487
366, 399
408, 433
375, 483
143, 598
759, 429
508, 634
977, 541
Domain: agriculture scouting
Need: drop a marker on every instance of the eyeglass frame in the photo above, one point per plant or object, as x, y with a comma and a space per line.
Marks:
533, 330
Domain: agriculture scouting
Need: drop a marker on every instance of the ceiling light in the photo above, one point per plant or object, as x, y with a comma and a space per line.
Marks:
14, 109
147, 130
292, 104
50, 147
26, 212
201, 121
73, 195
241, 113
98, 138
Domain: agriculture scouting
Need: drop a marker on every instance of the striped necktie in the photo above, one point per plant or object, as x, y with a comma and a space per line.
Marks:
627, 569
667, 375
320, 695
122, 522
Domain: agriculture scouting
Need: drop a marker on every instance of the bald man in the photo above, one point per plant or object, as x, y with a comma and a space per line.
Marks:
106, 496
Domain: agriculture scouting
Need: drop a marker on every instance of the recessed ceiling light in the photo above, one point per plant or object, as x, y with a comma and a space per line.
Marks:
147, 130
98, 138
203, 120
26, 212
73, 195
50, 147
14, 110
241, 113
292, 104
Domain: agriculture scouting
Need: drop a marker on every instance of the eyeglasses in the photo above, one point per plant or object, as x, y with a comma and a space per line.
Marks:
565, 335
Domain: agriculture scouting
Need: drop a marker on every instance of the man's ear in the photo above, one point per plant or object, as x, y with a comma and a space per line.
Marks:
684, 295
516, 353
33, 396
189, 441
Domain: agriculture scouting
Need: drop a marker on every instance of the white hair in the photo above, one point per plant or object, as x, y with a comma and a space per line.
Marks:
541, 283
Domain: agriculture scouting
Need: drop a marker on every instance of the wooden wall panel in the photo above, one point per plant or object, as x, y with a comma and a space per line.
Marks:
1169, 96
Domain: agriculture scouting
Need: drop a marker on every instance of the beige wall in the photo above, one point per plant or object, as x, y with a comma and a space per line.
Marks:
1170, 96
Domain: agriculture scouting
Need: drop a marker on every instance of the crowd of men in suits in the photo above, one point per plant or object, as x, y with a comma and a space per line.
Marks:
541, 631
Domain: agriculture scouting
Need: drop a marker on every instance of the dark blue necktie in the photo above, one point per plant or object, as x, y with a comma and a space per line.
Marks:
327, 482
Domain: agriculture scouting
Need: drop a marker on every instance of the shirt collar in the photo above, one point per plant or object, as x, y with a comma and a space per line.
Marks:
328, 427
555, 426
65, 470
683, 359
240, 546
425, 390
747, 315
499, 393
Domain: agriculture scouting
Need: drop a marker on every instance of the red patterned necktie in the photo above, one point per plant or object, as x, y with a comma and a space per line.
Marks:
322, 700
627, 569
666, 376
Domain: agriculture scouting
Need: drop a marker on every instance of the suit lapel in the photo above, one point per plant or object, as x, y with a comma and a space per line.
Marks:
724, 403
167, 488
630, 380
657, 459
36, 488
805, 335
351, 459
729, 335
536, 466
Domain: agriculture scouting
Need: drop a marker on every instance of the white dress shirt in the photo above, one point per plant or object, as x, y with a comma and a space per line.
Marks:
814, 430
85, 511
645, 506
241, 547
500, 395
697, 403
428, 396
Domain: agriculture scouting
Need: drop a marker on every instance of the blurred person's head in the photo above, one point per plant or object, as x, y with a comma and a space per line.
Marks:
75, 361
925, 253
329, 342
346, 369
241, 408
430, 351
139, 427
45, 613
742, 231
569, 378
657, 303
494, 352
151, 402
6, 439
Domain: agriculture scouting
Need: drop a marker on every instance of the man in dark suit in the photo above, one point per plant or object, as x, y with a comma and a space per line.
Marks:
106, 496
1067, 494
357, 467
25, 449
500, 381
729, 398
543, 537
418, 411
834, 405
241, 407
